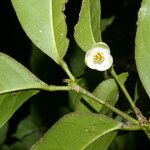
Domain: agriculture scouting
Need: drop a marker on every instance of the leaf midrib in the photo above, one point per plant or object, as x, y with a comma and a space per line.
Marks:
52, 30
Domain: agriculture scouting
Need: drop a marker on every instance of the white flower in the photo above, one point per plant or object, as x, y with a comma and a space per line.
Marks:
99, 57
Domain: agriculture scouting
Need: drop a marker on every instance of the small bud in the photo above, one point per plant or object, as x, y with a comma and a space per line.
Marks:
99, 57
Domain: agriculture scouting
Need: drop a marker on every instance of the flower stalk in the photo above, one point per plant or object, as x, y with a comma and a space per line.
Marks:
137, 112
68, 72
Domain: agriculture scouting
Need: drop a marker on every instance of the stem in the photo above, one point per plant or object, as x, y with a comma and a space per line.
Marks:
117, 111
56, 88
131, 127
86, 93
66, 69
135, 109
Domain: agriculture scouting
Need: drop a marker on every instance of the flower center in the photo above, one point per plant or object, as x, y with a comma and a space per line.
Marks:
98, 57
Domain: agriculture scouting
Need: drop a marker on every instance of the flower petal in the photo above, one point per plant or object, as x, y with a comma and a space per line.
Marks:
108, 61
105, 51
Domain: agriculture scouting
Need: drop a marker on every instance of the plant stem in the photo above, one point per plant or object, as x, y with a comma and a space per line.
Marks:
77, 88
56, 88
68, 72
117, 111
131, 127
135, 109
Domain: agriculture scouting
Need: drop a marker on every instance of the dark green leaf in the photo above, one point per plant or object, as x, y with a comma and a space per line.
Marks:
3, 133
124, 142
28, 132
76, 61
26, 128
106, 22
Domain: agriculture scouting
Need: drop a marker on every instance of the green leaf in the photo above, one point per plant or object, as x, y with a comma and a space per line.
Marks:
142, 50
17, 85
3, 133
87, 30
76, 131
106, 91
44, 23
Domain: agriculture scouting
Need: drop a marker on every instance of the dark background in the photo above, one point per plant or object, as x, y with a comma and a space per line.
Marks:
120, 36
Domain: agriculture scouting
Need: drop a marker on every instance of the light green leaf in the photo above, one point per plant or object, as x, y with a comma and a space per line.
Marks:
87, 30
76, 131
142, 50
3, 133
44, 23
17, 85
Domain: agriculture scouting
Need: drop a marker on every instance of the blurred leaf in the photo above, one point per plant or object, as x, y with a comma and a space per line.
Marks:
124, 142
136, 93
45, 68
37, 59
106, 22
44, 23
26, 127
3, 133
87, 30
28, 133
17, 85
76, 131
18, 146
76, 61
26, 142
5, 147
142, 52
